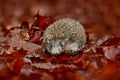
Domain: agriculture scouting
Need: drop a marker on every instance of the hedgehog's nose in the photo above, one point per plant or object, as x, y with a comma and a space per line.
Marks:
56, 50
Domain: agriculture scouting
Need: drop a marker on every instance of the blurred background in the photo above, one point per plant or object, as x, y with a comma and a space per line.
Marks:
99, 17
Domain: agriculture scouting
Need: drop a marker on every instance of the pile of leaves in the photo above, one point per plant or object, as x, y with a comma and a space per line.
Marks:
23, 56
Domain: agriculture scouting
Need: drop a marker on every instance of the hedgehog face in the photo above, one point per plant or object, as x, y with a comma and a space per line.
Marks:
58, 45
55, 46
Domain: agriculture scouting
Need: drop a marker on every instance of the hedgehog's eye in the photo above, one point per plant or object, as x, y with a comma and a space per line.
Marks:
61, 45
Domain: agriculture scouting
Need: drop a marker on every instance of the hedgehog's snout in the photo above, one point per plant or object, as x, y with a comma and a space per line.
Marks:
54, 46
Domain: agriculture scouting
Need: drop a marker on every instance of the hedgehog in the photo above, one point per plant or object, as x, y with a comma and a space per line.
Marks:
64, 35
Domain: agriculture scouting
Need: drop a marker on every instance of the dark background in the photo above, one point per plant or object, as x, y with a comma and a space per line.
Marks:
99, 17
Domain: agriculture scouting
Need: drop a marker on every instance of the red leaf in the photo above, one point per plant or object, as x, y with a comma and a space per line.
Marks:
63, 73
17, 63
117, 57
62, 69
22, 51
62, 59
111, 42
110, 71
24, 25
35, 38
34, 76
111, 52
79, 64
16, 55
43, 22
